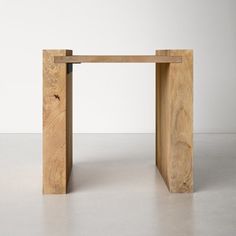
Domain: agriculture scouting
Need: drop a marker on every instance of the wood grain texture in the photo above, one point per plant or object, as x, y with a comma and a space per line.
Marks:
117, 59
57, 122
174, 123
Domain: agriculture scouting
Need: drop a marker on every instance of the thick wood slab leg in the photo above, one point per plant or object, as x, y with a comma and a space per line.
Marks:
174, 120
57, 122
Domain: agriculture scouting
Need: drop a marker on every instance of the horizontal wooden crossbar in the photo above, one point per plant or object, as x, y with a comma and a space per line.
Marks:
117, 59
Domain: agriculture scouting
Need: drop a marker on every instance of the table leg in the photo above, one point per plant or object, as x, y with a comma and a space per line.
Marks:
57, 122
174, 120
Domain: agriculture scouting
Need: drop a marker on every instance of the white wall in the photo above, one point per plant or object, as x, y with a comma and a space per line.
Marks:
116, 97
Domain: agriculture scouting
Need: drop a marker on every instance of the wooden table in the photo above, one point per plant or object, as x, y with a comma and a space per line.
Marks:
174, 115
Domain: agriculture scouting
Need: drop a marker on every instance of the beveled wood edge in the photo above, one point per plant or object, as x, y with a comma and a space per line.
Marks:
77, 59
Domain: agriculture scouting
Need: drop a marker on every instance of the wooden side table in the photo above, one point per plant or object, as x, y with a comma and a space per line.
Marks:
174, 115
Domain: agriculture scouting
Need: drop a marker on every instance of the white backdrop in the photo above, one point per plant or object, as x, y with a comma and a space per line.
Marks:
117, 97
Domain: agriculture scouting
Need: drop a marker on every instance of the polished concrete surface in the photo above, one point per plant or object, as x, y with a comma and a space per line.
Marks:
117, 190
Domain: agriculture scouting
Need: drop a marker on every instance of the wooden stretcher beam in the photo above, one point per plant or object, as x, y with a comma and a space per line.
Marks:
117, 59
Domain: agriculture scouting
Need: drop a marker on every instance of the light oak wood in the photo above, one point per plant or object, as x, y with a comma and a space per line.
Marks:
117, 59
57, 122
174, 120
174, 95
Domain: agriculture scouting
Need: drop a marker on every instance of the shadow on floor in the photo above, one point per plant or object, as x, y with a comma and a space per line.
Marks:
214, 166
115, 174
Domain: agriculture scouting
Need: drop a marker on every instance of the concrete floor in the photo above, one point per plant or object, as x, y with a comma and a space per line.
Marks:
116, 189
